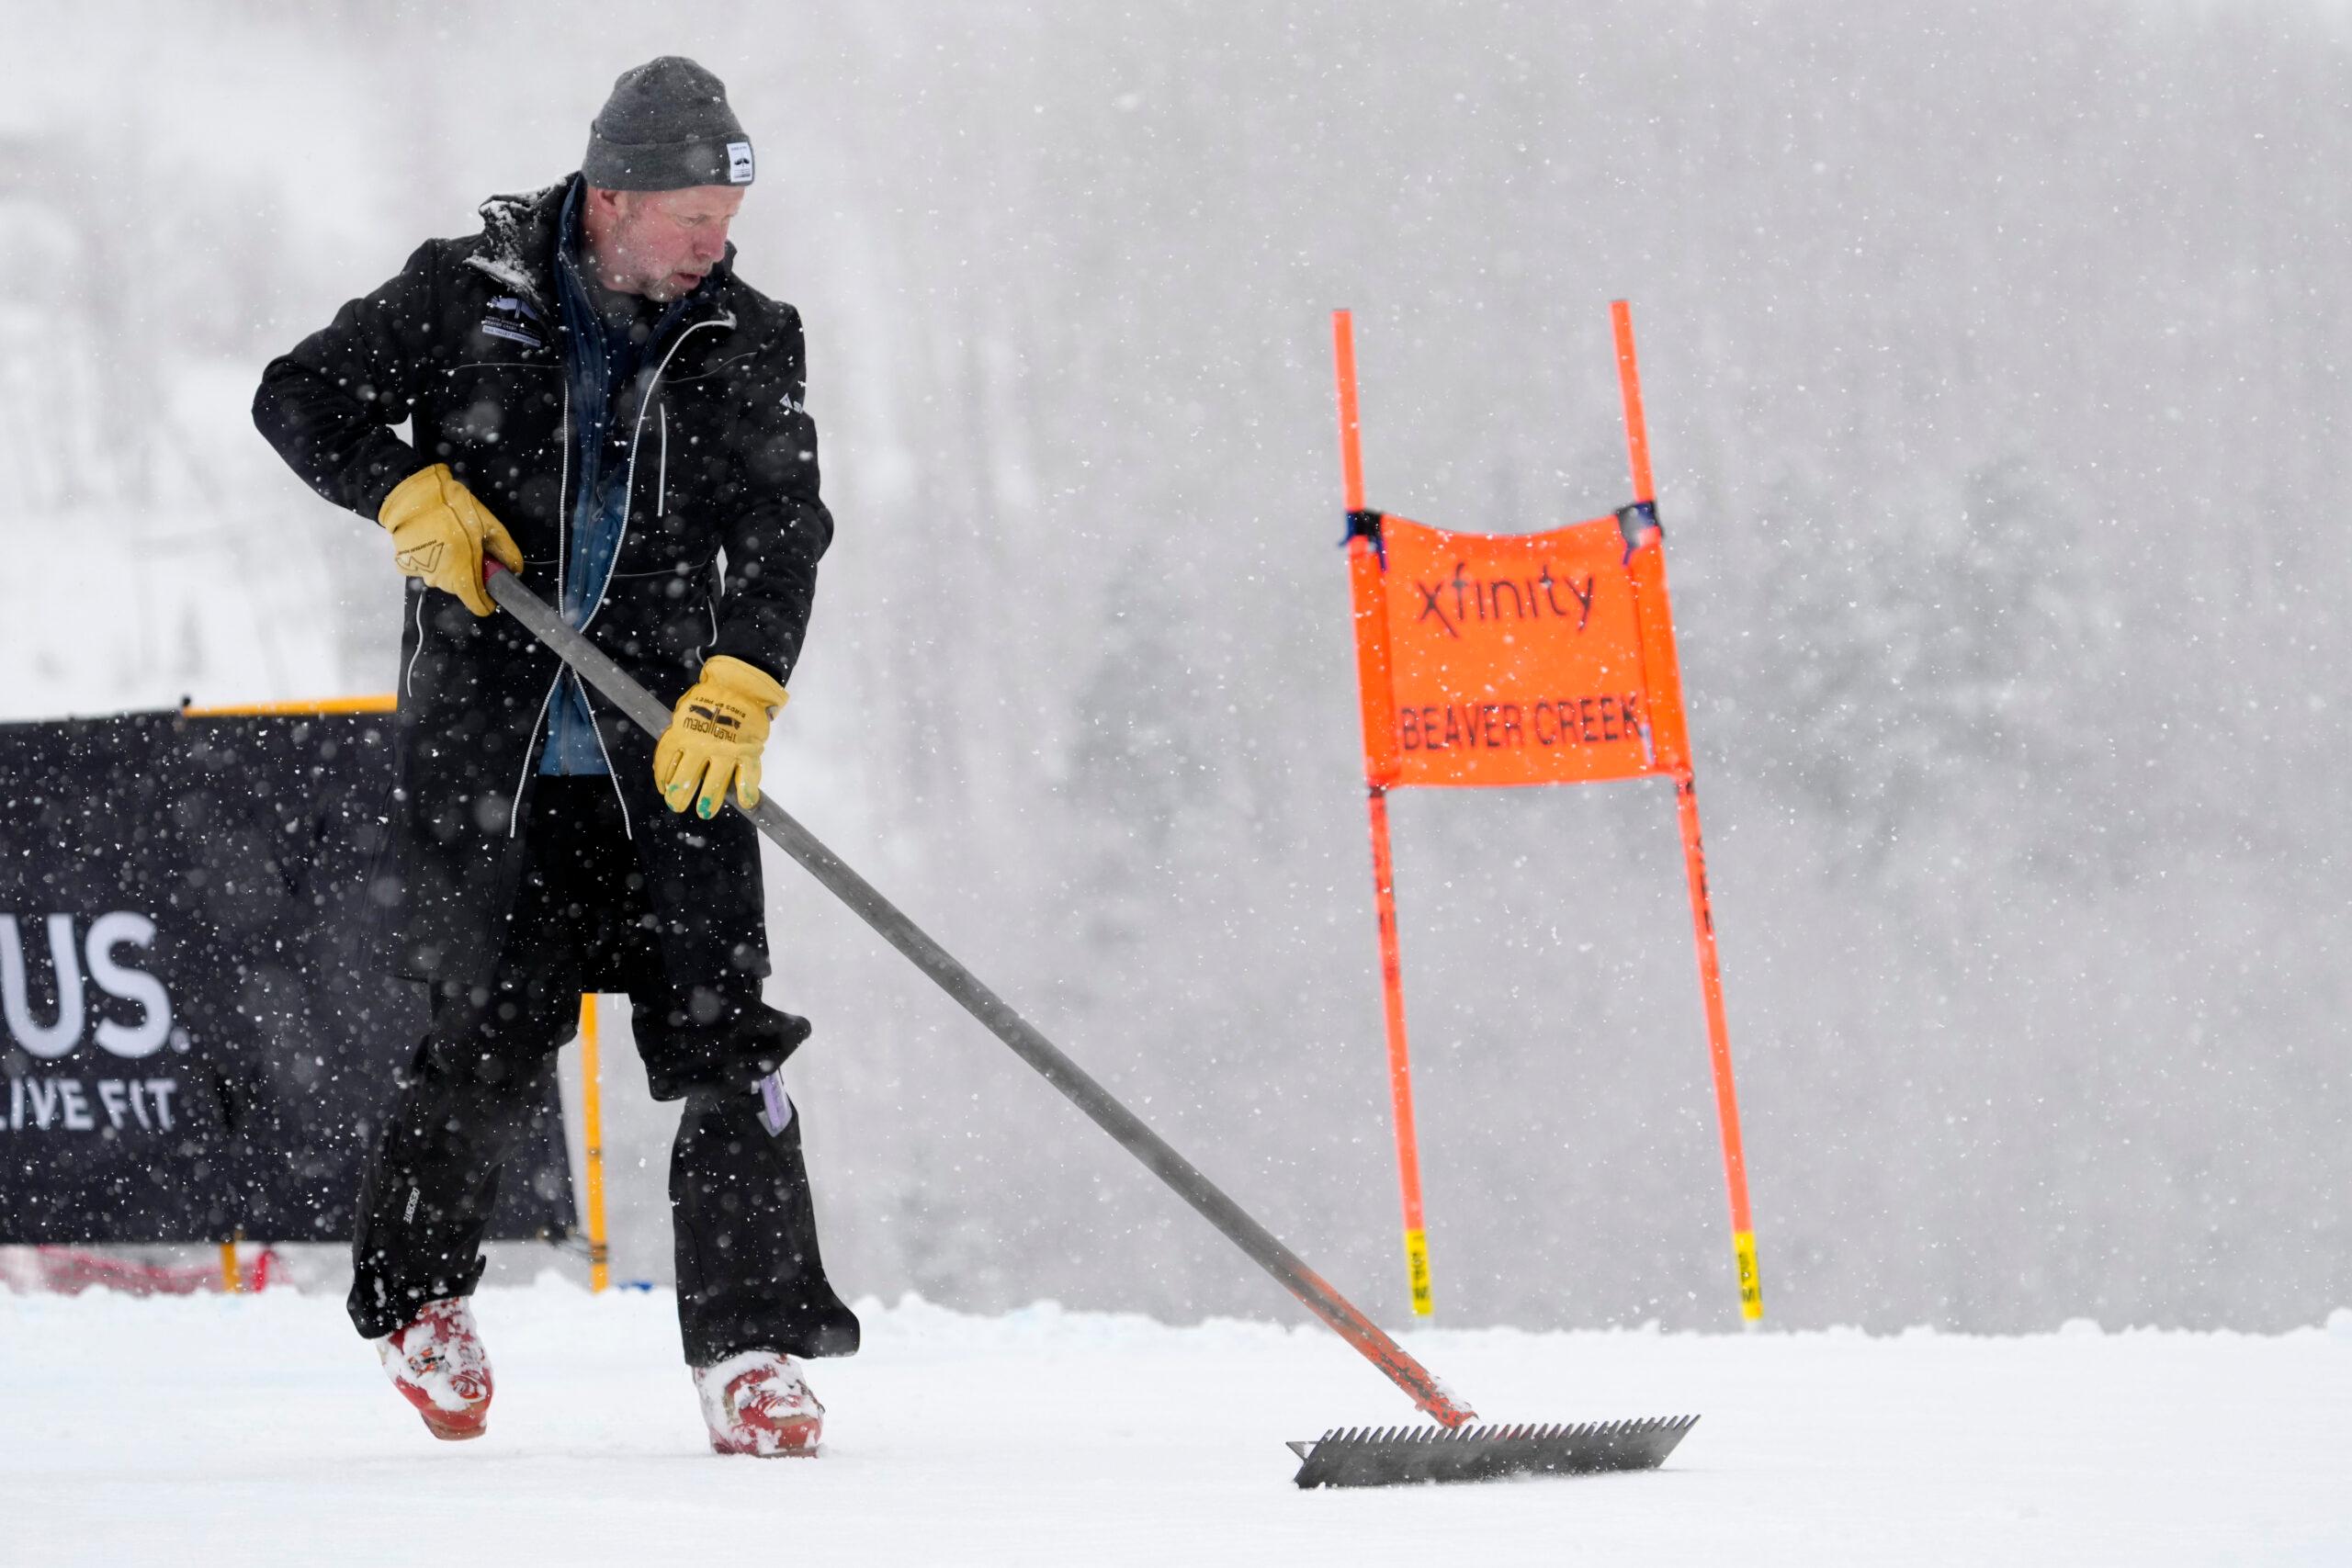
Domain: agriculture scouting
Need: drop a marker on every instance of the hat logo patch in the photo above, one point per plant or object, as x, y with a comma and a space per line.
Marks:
738, 162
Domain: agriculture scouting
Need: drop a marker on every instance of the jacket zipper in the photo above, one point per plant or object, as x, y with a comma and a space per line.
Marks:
637, 435
596, 727
530, 749
563, 490
628, 507
562, 550
408, 676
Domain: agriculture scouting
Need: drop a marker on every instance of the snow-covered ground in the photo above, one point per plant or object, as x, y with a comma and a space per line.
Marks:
257, 1430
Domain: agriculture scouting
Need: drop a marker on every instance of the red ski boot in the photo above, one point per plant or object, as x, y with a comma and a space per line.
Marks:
757, 1403
439, 1366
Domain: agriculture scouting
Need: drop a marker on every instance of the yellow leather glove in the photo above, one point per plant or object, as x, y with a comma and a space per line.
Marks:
439, 531
715, 734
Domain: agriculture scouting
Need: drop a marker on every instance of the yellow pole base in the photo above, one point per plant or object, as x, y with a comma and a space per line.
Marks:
591, 1128
1417, 1271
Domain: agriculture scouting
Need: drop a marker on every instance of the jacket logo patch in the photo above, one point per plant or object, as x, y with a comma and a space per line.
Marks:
738, 162
507, 314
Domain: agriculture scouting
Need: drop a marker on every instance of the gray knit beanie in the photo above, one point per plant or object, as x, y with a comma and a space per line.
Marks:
666, 127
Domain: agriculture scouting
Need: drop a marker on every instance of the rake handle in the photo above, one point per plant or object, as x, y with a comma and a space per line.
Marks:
1076, 1086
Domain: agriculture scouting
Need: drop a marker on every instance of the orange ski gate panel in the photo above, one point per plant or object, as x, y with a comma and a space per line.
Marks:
1514, 660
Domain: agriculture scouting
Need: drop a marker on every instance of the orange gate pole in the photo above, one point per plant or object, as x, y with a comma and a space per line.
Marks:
1373, 673
1671, 752
591, 1134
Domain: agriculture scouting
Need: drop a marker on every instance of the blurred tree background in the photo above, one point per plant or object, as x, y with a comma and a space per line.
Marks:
1996, 363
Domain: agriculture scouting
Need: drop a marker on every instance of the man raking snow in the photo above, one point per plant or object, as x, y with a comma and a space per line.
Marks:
586, 890
601, 405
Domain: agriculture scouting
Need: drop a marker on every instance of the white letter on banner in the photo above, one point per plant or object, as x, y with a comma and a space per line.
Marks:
106, 933
62, 1036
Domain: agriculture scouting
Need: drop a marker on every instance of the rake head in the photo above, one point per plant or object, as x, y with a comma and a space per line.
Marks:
1394, 1455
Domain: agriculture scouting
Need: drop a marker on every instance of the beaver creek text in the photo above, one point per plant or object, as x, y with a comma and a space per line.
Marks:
1498, 727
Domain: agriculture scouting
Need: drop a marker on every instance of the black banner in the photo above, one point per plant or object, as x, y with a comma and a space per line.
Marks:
198, 1020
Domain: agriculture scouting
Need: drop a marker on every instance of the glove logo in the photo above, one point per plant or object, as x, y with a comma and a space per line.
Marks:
422, 562
717, 718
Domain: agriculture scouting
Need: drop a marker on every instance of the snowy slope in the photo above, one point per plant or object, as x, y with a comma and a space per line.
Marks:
258, 1430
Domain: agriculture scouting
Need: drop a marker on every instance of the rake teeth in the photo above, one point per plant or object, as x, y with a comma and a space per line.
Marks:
1395, 1456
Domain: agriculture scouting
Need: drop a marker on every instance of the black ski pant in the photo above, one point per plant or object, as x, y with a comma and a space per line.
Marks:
750, 1277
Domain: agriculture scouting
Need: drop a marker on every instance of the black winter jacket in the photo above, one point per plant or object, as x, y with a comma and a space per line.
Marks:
718, 556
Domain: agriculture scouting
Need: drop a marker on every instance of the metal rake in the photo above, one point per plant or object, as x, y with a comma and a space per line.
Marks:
1389, 1456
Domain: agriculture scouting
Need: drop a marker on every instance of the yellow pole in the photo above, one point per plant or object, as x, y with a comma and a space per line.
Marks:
229, 1281
383, 702
1379, 749
592, 1130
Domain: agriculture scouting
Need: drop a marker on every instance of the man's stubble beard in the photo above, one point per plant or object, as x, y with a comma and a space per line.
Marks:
625, 278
